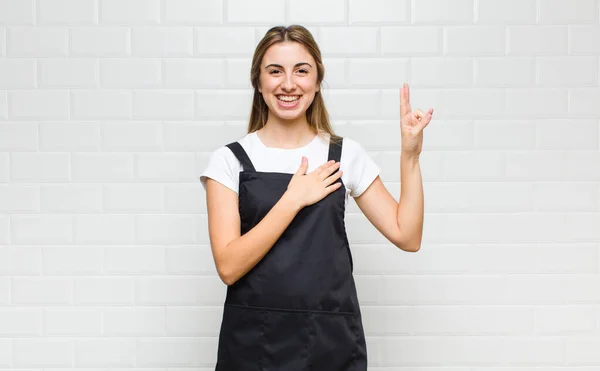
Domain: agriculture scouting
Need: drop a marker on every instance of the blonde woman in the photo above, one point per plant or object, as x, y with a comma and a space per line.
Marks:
276, 200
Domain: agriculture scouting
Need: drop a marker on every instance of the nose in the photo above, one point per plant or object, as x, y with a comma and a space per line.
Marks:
288, 83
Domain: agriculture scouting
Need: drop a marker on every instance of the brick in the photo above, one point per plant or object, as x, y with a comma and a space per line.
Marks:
71, 198
72, 322
162, 41
569, 197
130, 73
537, 40
190, 260
504, 134
503, 12
536, 165
158, 105
19, 260
471, 103
584, 102
104, 291
67, 12
100, 41
98, 105
4, 168
37, 42
304, 11
442, 12
567, 71
582, 165
505, 72
566, 12
18, 136
474, 41
72, 260
379, 11
204, 136
36, 353
134, 322
179, 291
581, 134
441, 72
21, 322
17, 73
134, 198
221, 41
50, 229
411, 41
537, 102
129, 12
258, 11
104, 352
48, 291
3, 105
201, 73
233, 104
134, 260
104, 229
104, 167
350, 41
19, 199
377, 72
345, 104
205, 321
584, 39
566, 258
193, 12
82, 136
17, 12
68, 73
165, 229
131, 136
39, 104
566, 319
163, 351
40, 167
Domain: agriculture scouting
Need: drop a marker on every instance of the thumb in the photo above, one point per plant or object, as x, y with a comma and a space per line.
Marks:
303, 166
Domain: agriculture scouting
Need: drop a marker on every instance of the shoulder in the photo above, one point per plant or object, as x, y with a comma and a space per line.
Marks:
351, 148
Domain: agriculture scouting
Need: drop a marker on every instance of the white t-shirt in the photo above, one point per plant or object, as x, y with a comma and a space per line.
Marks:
358, 168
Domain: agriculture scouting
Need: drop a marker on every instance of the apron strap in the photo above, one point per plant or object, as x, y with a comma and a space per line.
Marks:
241, 155
335, 149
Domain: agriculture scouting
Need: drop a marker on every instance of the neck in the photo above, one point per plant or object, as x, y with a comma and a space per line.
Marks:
286, 133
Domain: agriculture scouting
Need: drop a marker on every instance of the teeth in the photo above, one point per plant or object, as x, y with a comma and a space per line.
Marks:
288, 99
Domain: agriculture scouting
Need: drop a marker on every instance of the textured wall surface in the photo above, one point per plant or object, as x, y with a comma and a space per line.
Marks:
109, 110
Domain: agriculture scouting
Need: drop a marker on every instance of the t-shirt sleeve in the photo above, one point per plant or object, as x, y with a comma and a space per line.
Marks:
361, 167
222, 167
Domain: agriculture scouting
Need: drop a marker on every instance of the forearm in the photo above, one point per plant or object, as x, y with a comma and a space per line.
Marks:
411, 204
242, 254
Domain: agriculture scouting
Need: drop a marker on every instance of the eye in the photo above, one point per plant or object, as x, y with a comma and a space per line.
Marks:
273, 71
305, 71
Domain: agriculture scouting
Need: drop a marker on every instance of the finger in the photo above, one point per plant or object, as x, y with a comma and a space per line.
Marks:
419, 114
332, 188
324, 170
404, 100
333, 177
303, 166
424, 122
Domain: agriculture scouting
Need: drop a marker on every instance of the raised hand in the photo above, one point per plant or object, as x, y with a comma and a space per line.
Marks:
307, 189
412, 124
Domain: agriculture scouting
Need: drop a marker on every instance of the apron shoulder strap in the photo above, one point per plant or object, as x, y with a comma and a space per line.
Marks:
335, 148
241, 155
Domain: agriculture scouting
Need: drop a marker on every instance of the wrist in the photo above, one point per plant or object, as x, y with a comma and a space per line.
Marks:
290, 203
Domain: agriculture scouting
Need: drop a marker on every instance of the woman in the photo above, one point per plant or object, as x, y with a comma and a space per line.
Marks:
276, 200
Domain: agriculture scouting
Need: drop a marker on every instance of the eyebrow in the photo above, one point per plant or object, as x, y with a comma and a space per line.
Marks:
280, 66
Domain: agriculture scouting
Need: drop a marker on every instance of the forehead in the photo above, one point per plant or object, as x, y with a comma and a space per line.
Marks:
287, 54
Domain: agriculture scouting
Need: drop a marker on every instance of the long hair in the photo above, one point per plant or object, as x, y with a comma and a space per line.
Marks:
316, 114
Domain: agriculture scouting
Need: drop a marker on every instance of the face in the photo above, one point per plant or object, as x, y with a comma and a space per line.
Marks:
288, 80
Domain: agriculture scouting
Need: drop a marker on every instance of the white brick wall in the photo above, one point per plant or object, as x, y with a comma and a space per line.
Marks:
109, 110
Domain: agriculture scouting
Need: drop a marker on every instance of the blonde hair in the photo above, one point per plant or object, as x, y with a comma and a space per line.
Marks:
316, 115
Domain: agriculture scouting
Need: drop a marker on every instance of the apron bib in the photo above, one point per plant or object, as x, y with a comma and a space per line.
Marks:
297, 309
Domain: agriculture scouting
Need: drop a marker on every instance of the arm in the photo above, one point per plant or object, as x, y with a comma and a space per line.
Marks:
401, 223
234, 254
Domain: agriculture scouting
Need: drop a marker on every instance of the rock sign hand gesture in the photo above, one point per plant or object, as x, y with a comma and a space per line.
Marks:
412, 124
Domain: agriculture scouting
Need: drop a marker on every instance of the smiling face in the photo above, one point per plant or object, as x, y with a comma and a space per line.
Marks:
288, 80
